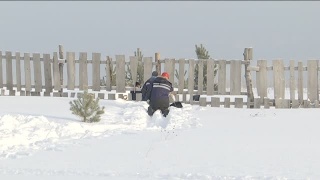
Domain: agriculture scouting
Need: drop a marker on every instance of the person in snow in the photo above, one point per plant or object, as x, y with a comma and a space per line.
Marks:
159, 93
147, 86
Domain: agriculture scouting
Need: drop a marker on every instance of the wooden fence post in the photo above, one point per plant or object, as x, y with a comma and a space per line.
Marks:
313, 92
222, 77
96, 59
300, 82
37, 73
18, 71
9, 73
27, 73
70, 57
47, 74
147, 68
292, 81
181, 81
83, 71
262, 80
120, 73
278, 79
109, 70
157, 60
191, 79
61, 63
134, 68
247, 57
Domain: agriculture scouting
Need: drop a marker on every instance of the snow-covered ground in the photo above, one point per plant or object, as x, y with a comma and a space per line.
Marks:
41, 139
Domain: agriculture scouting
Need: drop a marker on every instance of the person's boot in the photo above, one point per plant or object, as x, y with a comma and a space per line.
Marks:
150, 111
165, 112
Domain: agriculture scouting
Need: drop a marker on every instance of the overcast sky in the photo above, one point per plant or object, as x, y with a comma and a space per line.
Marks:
287, 30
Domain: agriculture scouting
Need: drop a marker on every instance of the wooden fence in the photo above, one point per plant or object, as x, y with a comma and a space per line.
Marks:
33, 74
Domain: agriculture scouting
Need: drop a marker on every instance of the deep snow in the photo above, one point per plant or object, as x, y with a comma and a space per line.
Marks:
41, 139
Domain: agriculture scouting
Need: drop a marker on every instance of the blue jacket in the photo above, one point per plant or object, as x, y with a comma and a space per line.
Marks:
159, 94
146, 88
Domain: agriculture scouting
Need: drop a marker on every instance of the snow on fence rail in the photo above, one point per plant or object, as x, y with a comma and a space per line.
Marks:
36, 74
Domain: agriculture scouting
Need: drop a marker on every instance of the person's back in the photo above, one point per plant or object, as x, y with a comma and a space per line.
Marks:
159, 96
146, 88
161, 89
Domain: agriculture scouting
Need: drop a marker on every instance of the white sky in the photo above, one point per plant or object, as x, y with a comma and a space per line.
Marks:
41, 139
288, 30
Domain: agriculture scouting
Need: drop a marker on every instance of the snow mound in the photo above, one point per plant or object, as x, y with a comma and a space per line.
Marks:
22, 134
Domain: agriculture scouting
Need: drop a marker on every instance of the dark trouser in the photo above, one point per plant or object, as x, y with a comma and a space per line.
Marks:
164, 110
134, 94
163, 106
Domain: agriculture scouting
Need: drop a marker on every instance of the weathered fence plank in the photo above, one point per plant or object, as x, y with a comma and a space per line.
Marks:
27, 72
227, 102
181, 76
238, 102
203, 101
96, 58
101, 95
295, 103
266, 103
120, 71
184, 97
191, 77
83, 71
112, 96
262, 79
47, 73
210, 77
222, 77
235, 77
9, 74
282, 103
147, 68
158, 64
169, 67
65, 94
200, 76
306, 104
278, 79
109, 70
247, 57
215, 102
171, 72
56, 73
37, 72
1, 72
138, 97
292, 81
22, 93
18, 71
256, 102
12, 93
134, 68
61, 63
71, 70
313, 93
300, 82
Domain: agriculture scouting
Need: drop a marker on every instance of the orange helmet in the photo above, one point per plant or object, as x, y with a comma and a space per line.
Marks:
165, 74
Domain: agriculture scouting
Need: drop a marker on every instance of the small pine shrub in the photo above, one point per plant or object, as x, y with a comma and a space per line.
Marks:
87, 108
